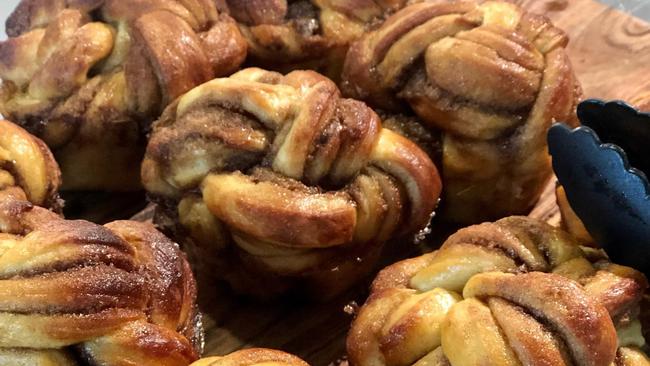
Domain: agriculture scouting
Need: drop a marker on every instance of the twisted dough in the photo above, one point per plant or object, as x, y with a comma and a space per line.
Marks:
490, 77
253, 357
89, 76
75, 293
281, 178
27, 167
313, 34
530, 295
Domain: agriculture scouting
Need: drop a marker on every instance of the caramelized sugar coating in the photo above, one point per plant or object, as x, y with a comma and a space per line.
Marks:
490, 78
75, 293
514, 292
27, 168
89, 76
277, 182
314, 34
253, 357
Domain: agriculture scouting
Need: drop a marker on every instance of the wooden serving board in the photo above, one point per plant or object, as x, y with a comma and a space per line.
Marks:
610, 51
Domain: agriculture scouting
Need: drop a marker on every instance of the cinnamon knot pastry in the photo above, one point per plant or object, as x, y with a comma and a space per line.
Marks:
312, 34
89, 76
27, 168
490, 78
513, 292
253, 357
76, 293
283, 182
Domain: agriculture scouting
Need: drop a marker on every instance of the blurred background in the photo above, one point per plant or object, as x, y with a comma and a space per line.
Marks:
640, 8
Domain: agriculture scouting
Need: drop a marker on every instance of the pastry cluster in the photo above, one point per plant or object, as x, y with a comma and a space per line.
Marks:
475, 84
276, 181
293, 180
88, 77
516, 291
73, 293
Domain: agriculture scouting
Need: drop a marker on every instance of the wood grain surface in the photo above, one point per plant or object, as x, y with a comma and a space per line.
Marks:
610, 51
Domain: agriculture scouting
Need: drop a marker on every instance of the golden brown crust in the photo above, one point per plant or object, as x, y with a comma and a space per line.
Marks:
253, 357
315, 34
631, 356
570, 220
585, 327
294, 180
27, 163
487, 75
530, 295
118, 293
89, 76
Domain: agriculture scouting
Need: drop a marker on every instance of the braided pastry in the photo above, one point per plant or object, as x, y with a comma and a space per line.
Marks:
253, 357
76, 293
284, 182
89, 76
27, 167
312, 34
513, 292
490, 77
